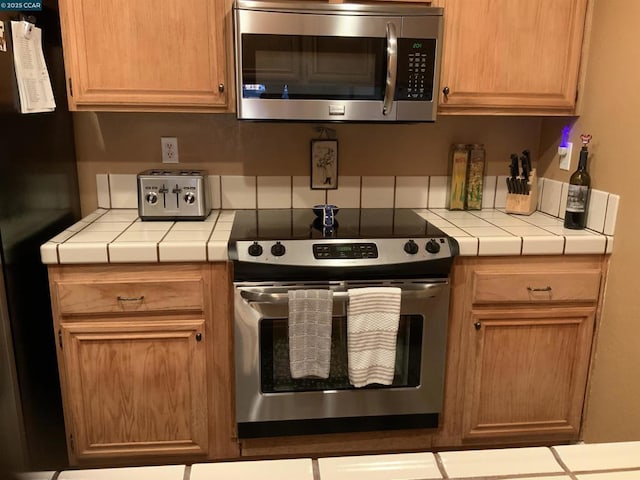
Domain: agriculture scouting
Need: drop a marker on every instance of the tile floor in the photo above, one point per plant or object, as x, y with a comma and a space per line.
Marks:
605, 461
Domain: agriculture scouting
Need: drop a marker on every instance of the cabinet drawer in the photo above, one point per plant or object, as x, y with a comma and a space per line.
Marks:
125, 297
581, 286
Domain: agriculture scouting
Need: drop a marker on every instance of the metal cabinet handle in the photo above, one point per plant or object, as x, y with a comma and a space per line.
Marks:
545, 289
221, 87
445, 91
130, 299
198, 337
477, 325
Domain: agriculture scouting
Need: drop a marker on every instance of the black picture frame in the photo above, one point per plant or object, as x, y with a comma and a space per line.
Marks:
324, 164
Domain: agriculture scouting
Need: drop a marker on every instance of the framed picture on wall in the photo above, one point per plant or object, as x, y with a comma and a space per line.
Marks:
324, 164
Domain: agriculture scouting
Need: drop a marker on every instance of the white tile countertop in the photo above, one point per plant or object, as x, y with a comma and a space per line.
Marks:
119, 236
604, 461
494, 232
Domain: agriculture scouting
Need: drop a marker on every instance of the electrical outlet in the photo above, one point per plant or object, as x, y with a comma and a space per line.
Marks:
565, 160
169, 149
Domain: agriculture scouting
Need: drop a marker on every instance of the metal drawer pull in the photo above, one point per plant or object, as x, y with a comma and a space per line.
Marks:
130, 299
545, 289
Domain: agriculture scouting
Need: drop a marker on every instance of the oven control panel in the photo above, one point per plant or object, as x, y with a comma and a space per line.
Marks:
342, 253
344, 250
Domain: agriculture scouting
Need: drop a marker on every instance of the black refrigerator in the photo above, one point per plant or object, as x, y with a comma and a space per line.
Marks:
38, 199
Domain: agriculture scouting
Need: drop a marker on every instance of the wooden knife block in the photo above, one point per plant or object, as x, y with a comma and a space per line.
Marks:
524, 204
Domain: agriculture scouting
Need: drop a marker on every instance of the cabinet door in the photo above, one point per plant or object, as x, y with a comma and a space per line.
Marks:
527, 372
511, 56
135, 388
144, 55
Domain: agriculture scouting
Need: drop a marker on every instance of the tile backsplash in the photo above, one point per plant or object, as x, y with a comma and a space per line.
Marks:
242, 192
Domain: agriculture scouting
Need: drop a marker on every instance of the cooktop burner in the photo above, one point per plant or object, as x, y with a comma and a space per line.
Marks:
349, 224
361, 243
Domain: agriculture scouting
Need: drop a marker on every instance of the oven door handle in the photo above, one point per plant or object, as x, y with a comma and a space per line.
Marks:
280, 296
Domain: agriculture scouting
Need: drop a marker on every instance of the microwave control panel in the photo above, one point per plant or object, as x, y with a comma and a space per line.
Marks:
416, 65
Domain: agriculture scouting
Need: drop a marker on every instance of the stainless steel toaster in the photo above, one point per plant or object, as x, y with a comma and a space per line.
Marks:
173, 195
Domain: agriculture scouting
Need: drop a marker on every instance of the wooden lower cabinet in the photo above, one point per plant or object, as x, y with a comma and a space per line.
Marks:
520, 341
527, 372
136, 387
148, 380
144, 378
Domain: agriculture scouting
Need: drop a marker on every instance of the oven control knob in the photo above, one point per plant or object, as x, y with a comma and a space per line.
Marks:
151, 198
255, 249
432, 246
277, 250
411, 247
189, 198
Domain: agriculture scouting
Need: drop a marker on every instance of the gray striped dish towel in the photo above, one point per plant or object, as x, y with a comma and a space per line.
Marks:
372, 327
310, 332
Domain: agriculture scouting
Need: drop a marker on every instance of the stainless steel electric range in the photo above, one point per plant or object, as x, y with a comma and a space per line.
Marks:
275, 251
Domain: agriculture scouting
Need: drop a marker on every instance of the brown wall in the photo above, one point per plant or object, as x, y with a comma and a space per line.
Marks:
611, 109
130, 142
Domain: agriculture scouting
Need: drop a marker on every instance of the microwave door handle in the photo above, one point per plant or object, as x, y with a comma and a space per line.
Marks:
392, 68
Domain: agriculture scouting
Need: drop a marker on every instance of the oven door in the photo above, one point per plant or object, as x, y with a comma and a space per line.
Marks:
269, 402
302, 66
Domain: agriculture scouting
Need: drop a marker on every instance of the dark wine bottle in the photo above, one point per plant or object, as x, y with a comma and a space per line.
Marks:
575, 216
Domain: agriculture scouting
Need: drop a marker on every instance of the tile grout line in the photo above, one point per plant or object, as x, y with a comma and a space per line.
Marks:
395, 184
556, 455
187, 472
206, 244
255, 192
440, 465
516, 476
315, 468
109, 188
291, 191
608, 470
606, 212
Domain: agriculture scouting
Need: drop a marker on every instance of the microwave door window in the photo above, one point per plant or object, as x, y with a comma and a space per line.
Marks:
313, 67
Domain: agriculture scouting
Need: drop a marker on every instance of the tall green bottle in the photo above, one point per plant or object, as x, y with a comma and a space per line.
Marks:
575, 216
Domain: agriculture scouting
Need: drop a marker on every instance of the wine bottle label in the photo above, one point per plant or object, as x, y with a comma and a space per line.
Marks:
577, 198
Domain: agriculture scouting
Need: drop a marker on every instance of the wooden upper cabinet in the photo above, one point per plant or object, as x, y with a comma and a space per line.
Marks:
145, 55
511, 56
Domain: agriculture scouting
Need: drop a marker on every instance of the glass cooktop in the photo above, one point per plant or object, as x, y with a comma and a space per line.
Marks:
350, 223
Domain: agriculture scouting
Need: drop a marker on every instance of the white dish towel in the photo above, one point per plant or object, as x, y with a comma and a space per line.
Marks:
372, 328
310, 332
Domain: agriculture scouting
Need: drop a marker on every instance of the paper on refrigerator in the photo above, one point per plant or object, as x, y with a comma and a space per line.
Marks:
32, 76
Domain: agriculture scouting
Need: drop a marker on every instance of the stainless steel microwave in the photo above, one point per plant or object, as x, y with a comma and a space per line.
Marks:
319, 61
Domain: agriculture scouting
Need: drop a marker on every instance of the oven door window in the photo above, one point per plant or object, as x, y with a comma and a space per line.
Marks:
274, 357
313, 67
